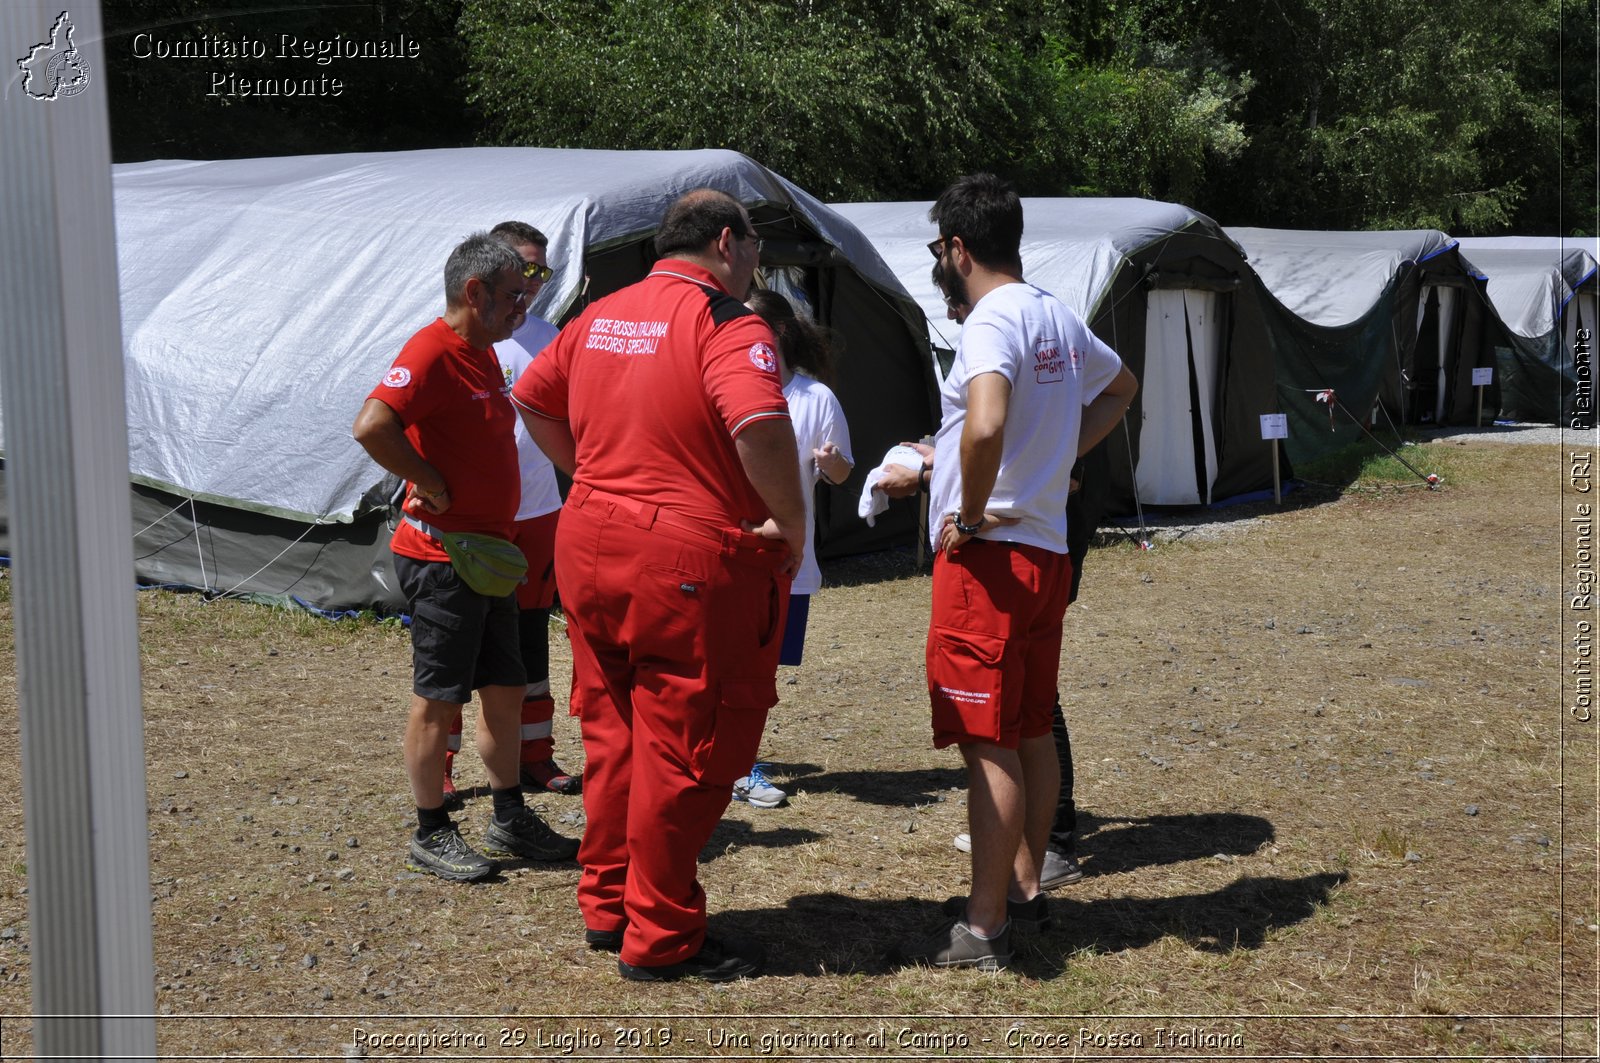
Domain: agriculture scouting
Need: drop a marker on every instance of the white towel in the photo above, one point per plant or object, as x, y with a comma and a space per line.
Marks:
874, 501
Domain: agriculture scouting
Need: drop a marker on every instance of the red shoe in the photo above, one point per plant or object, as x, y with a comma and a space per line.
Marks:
452, 799
547, 775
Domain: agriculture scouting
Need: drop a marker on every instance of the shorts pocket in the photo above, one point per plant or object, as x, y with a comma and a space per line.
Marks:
726, 753
964, 683
429, 613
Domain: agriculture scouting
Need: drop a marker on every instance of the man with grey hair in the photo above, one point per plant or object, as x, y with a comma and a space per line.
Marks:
441, 421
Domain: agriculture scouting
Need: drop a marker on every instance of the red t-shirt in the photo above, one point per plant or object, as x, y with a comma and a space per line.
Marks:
655, 382
451, 397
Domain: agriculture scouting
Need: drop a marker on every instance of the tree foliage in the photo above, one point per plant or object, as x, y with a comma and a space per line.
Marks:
1474, 116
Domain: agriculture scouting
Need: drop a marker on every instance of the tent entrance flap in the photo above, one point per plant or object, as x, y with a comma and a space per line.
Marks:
1177, 435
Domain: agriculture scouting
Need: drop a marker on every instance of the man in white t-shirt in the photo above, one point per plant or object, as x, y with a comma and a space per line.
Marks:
1031, 388
535, 533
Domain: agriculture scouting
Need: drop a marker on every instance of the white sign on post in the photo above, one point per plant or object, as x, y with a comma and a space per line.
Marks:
1274, 426
1482, 378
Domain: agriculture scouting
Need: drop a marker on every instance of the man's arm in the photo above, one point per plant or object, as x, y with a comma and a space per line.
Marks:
552, 437
769, 453
382, 435
1102, 415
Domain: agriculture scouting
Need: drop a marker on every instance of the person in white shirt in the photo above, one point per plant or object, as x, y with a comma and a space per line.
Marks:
805, 360
1030, 390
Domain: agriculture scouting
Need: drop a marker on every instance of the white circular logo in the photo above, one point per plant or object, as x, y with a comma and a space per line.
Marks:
398, 377
763, 357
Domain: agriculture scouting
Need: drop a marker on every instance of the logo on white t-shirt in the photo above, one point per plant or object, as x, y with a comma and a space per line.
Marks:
398, 377
763, 357
1048, 365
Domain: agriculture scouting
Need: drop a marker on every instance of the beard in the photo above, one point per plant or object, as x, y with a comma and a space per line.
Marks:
954, 288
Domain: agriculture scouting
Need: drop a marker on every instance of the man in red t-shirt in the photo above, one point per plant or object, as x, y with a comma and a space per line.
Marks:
440, 420
683, 528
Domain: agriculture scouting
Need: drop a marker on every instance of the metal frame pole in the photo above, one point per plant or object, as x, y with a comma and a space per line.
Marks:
66, 466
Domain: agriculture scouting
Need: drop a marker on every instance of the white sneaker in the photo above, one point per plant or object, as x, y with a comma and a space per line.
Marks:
964, 842
755, 789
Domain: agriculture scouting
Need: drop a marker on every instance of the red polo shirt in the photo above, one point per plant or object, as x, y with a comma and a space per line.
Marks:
451, 397
656, 381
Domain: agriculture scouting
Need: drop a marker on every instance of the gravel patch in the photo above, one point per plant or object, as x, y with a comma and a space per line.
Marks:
1512, 432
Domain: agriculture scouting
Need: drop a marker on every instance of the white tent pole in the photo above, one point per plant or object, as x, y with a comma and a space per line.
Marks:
66, 457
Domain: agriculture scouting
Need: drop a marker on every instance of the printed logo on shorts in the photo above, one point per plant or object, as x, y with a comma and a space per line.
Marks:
763, 357
398, 377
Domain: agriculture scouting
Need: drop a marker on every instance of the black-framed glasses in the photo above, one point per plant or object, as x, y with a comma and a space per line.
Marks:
936, 248
535, 271
517, 296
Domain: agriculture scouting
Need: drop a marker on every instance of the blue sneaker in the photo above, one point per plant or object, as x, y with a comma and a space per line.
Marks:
755, 789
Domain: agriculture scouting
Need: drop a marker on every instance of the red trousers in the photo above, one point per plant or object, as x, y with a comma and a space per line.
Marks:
675, 630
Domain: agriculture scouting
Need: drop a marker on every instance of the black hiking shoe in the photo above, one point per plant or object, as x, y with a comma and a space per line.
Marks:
603, 940
715, 962
523, 834
445, 853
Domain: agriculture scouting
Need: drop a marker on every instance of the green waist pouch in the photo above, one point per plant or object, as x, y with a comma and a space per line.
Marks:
488, 564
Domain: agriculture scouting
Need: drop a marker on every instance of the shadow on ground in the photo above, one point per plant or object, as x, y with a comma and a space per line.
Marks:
1109, 845
900, 789
829, 933
733, 834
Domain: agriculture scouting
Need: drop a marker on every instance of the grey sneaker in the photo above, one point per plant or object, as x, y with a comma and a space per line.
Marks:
446, 854
758, 790
1058, 870
523, 834
954, 944
1027, 917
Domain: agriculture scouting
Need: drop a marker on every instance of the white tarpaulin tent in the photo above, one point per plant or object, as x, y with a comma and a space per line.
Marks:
263, 298
1544, 289
1172, 294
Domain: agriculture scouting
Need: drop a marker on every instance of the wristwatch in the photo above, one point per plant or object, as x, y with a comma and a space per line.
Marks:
968, 529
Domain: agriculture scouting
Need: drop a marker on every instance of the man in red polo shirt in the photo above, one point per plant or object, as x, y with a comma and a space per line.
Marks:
440, 420
683, 528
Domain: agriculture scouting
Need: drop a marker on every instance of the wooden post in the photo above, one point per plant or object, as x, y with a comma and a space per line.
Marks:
1277, 486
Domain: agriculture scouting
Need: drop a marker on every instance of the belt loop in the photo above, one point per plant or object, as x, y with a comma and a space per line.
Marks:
579, 494
646, 516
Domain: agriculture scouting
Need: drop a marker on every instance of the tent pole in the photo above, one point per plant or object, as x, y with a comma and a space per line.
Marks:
76, 625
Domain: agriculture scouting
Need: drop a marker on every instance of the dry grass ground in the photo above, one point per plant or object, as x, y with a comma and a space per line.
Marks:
1331, 801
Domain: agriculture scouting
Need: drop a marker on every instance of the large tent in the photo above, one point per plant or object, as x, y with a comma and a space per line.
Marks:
1172, 295
263, 298
1395, 319
1544, 291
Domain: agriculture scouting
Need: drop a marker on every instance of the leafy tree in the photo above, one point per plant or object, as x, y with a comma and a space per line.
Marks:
1384, 113
850, 98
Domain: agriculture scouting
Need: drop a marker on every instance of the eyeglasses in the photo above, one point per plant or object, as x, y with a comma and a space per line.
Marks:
936, 248
534, 271
751, 235
517, 296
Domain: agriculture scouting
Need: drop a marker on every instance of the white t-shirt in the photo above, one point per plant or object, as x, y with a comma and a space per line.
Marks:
818, 419
540, 494
1056, 367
